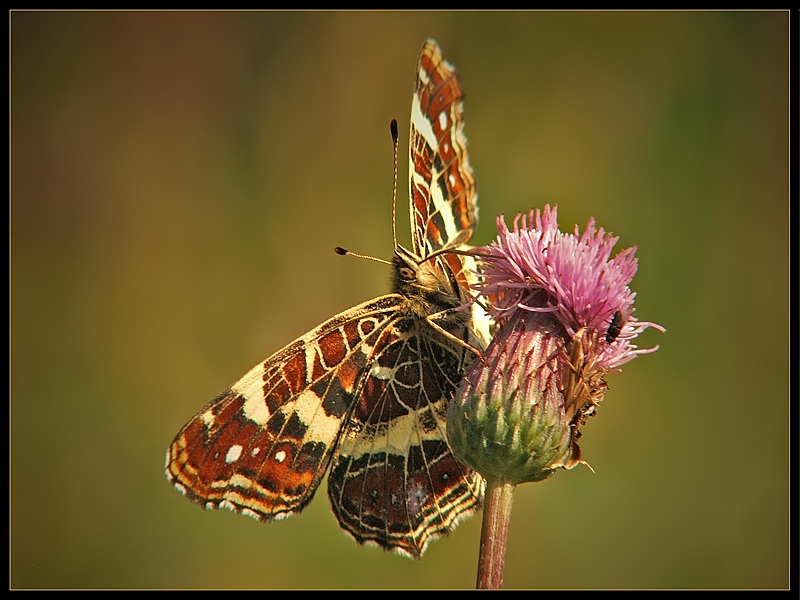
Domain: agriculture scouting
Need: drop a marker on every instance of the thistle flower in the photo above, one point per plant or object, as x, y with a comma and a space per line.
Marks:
564, 314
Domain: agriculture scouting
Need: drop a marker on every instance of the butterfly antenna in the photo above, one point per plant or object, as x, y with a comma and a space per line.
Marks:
342, 252
395, 137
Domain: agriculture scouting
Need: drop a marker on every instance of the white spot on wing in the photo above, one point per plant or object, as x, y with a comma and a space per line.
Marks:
416, 498
234, 452
379, 372
442, 121
280, 456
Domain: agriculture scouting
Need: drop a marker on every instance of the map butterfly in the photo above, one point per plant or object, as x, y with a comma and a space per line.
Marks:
364, 395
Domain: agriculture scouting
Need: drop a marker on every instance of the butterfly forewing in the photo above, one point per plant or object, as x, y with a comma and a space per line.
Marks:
443, 201
366, 392
261, 447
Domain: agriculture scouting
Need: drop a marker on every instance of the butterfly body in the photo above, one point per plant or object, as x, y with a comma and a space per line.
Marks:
364, 395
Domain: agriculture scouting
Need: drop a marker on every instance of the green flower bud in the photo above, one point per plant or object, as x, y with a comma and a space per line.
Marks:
518, 413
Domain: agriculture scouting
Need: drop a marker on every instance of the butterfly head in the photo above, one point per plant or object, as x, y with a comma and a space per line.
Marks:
428, 287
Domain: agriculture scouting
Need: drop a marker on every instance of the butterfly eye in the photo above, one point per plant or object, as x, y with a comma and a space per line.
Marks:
406, 274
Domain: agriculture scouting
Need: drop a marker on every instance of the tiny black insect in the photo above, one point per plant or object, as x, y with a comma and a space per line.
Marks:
614, 327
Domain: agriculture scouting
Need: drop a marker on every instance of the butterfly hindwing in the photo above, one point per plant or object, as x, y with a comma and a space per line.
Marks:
393, 480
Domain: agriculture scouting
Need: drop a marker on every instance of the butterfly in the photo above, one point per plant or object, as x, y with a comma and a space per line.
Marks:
364, 395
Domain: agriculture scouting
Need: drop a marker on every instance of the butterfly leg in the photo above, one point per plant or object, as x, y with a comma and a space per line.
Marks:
443, 316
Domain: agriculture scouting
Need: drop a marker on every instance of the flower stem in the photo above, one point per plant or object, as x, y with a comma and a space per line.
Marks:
494, 535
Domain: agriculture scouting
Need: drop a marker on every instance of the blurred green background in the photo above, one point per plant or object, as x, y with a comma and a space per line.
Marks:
178, 181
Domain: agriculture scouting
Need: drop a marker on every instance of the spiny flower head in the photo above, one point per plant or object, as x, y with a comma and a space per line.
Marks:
537, 268
564, 314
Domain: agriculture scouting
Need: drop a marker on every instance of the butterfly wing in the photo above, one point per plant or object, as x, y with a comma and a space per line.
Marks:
443, 201
262, 447
394, 482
